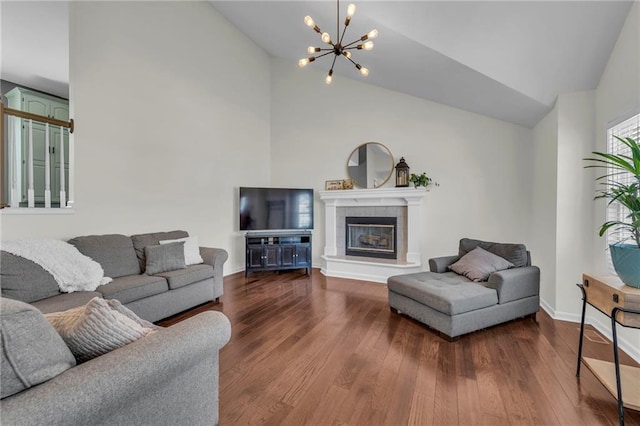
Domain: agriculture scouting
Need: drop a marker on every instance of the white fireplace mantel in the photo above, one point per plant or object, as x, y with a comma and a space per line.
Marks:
366, 268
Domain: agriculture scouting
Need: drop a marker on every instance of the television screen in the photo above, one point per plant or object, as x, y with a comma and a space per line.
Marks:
276, 209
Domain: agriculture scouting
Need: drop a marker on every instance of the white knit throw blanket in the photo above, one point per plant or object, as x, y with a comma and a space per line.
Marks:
71, 269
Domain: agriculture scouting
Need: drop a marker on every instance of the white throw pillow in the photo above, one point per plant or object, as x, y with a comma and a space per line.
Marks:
478, 264
191, 249
99, 327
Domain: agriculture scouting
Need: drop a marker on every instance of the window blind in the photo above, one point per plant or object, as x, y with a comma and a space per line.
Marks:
629, 128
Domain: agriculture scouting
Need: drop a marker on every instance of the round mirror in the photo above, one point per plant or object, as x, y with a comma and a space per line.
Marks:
370, 165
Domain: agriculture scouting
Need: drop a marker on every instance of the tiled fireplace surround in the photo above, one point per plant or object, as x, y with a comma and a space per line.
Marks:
402, 203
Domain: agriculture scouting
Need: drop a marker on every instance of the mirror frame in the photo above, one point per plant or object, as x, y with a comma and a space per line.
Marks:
391, 165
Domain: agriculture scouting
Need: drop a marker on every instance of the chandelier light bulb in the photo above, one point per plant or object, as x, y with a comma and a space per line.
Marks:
329, 77
326, 38
303, 62
372, 34
351, 9
309, 21
368, 45
347, 54
364, 71
311, 50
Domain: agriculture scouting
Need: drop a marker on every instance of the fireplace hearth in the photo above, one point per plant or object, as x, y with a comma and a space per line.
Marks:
371, 237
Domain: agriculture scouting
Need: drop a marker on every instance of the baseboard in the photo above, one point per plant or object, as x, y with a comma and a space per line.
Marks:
603, 327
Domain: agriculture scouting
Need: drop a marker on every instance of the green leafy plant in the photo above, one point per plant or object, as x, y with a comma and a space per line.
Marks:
625, 194
421, 180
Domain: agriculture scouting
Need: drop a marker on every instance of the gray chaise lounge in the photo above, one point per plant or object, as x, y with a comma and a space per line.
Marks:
454, 305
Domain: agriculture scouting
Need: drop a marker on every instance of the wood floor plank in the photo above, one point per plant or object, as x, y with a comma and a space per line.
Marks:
312, 350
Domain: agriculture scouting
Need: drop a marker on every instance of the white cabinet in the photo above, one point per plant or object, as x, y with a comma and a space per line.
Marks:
51, 107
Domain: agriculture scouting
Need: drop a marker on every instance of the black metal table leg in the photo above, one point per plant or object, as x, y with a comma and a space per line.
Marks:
584, 307
616, 360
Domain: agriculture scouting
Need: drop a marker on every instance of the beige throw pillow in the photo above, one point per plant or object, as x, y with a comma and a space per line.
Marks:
478, 264
99, 327
191, 249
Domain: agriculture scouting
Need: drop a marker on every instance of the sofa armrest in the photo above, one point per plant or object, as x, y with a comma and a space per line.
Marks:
160, 379
516, 283
440, 264
214, 257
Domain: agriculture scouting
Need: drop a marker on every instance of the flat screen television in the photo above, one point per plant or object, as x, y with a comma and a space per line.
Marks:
276, 209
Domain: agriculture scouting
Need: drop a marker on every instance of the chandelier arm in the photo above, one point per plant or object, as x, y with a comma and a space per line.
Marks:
338, 21
351, 60
353, 42
343, 32
324, 54
334, 62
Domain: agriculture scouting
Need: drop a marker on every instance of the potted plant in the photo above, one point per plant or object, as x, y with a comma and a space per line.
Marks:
625, 256
421, 180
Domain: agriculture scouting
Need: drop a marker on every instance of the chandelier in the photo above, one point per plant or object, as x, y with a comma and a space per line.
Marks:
337, 47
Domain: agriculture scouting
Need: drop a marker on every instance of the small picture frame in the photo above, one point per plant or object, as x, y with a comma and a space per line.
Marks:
347, 183
331, 185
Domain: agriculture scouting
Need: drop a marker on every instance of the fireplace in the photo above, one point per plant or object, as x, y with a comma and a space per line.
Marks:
371, 237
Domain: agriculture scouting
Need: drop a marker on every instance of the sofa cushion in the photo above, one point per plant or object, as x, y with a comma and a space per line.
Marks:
25, 280
189, 275
478, 264
65, 301
163, 258
114, 252
32, 351
133, 287
99, 327
140, 241
191, 249
448, 293
514, 253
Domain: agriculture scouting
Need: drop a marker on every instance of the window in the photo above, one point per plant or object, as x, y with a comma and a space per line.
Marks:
629, 128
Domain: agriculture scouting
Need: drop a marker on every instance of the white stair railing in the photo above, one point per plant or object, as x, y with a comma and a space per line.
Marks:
20, 157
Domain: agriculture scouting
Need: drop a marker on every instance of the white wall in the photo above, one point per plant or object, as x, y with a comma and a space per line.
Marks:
482, 164
544, 205
566, 218
171, 105
576, 112
617, 96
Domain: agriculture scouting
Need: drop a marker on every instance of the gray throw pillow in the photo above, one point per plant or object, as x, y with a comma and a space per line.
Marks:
32, 351
114, 252
99, 327
165, 257
24, 280
478, 264
514, 253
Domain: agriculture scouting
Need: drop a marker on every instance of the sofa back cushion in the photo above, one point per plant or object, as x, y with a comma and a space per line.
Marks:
32, 351
140, 241
114, 252
514, 253
22, 279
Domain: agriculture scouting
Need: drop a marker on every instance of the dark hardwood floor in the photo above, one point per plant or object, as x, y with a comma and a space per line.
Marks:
311, 350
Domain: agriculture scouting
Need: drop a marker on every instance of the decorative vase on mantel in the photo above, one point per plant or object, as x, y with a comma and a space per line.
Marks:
626, 262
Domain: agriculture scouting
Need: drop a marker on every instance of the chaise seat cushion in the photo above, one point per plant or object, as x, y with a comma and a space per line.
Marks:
189, 275
133, 287
448, 293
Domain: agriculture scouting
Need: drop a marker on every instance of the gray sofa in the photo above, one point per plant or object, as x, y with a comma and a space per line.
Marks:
152, 297
167, 378
454, 305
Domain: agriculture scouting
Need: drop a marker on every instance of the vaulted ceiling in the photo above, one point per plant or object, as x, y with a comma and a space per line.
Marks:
504, 59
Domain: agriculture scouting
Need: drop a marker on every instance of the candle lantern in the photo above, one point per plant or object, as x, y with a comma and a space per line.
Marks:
402, 173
